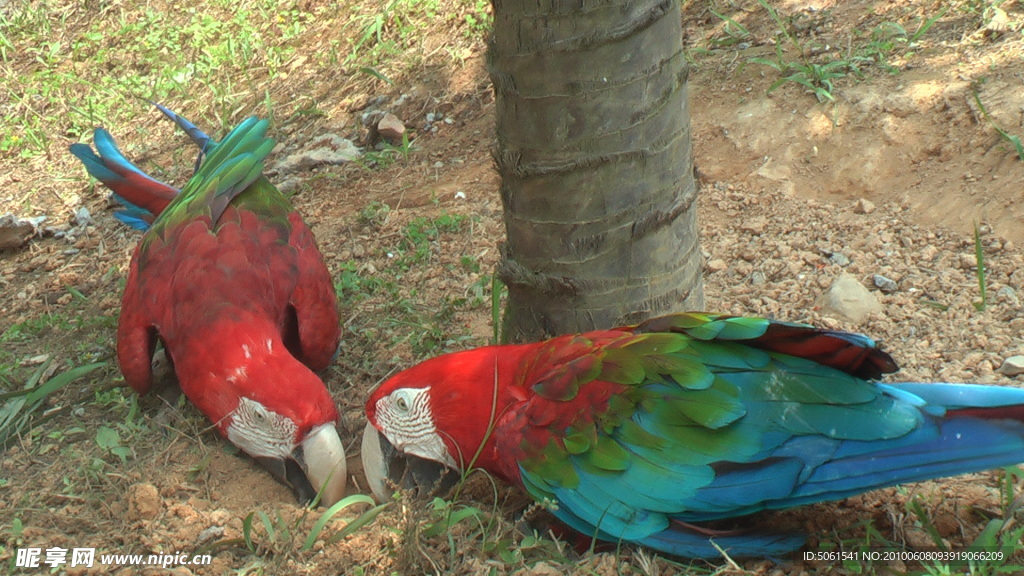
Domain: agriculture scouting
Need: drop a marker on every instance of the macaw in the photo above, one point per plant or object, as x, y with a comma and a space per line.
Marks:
645, 433
229, 279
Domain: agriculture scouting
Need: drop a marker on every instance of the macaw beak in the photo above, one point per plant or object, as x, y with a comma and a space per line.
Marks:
316, 463
386, 468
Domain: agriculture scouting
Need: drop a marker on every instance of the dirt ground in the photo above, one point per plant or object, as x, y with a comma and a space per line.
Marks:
893, 175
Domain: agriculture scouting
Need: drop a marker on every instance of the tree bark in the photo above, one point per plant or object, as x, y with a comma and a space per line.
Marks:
596, 164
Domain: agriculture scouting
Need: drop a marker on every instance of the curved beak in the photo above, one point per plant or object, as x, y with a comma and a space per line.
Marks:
322, 458
387, 468
317, 463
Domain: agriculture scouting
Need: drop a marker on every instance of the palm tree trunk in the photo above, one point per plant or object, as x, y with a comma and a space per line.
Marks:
596, 164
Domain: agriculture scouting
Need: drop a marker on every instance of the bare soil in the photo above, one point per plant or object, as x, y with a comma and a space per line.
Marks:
784, 183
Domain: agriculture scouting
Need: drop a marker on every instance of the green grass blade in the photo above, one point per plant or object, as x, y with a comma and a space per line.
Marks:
330, 513
979, 257
353, 526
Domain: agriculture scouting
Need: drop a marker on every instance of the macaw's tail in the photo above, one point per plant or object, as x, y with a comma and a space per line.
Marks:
199, 138
142, 196
965, 428
961, 428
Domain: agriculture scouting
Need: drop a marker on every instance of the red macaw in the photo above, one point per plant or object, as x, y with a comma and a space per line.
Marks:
642, 434
229, 279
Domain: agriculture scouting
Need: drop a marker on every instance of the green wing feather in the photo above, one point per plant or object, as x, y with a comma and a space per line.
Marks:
662, 405
229, 169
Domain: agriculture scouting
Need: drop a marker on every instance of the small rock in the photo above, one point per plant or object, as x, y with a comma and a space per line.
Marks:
884, 284
1012, 366
1008, 294
144, 502
968, 261
716, 265
754, 225
209, 534
16, 231
864, 206
850, 299
839, 259
328, 149
391, 129
82, 217
542, 568
758, 277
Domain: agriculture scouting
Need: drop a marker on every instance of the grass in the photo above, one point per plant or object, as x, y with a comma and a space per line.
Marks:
820, 77
22, 409
1012, 139
979, 258
281, 536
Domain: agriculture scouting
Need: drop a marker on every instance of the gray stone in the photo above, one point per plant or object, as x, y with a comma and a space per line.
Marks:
1012, 366
884, 284
82, 217
839, 259
850, 299
328, 149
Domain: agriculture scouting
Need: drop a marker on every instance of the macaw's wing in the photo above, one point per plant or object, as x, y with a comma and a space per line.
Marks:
142, 196
313, 301
637, 433
230, 167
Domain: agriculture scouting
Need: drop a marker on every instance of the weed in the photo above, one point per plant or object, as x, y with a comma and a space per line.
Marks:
979, 258
817, 78
281, 536
23, 409
820, 78
1013, 139
734, 32
478, 18
386, 154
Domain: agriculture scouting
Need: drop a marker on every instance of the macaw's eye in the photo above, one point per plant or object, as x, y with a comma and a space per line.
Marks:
402, 400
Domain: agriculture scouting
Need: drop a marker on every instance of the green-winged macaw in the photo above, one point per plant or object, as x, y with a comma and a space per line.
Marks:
645, 433
229, 279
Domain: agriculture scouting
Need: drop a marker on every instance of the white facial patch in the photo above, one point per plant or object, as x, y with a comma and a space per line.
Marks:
405, 418
261, 432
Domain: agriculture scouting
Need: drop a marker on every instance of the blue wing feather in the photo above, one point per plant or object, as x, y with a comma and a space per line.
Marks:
800, 432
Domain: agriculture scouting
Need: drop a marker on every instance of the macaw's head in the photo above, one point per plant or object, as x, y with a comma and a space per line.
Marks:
276, 410
440, 410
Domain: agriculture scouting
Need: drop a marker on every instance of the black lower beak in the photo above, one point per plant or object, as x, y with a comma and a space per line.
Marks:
317, 465
288, 472
387, 468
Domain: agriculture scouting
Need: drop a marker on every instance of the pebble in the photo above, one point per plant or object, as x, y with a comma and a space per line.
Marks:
1012, 366
864, 206
82, 217
839, 259
716, 265
967, 261
848, 298
14, 231
391, 129
884, 284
